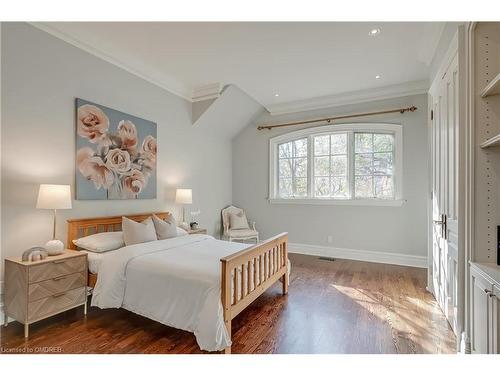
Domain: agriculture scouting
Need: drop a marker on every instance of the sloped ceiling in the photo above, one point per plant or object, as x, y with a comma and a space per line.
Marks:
297, 60
278, 67
227, 115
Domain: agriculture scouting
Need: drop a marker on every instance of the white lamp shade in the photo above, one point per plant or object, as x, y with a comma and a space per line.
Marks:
54, 197
184, 196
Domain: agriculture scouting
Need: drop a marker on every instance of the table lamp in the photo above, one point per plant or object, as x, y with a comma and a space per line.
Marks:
184, 196
54, 197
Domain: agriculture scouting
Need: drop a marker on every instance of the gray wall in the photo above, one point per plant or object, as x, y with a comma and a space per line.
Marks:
41, 76
383, 229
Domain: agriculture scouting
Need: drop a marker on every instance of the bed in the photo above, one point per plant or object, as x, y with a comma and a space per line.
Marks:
195, 282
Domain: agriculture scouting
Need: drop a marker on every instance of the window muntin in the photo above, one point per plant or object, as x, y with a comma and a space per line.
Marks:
337, 163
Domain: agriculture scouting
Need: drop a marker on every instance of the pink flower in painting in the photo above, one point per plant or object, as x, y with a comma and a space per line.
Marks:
93, 168
83, 155
149, 146
128, 135
92, 122
134, 181
148, 151
118, 160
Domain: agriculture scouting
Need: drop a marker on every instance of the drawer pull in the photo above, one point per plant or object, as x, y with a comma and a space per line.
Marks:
59, 278
59, 261
58, 294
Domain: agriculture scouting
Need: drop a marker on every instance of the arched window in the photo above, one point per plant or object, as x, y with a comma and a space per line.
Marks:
346, 163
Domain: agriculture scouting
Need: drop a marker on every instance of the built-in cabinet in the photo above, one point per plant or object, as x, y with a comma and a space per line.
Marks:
483, 315
485, 309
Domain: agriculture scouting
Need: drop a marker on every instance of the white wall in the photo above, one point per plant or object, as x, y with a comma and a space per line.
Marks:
396, 230
41, 76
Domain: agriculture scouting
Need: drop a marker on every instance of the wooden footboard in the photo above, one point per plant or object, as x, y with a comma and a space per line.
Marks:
247, 274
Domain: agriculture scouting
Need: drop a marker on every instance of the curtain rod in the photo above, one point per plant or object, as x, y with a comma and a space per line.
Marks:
330, 119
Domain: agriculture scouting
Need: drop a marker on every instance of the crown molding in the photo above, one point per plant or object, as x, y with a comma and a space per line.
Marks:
206, 92
164, 84
354, 97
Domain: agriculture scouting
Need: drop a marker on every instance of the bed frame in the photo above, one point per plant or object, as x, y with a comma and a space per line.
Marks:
268, 261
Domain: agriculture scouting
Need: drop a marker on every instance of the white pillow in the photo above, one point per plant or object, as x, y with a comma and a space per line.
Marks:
181, 232
134, 232
101, 242
165, 228
238, 221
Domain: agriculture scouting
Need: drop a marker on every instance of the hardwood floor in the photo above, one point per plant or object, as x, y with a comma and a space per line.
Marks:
332, 307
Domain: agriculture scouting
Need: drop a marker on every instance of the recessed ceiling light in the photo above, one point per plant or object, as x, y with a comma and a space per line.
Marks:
377, 77
374, 32
276, 94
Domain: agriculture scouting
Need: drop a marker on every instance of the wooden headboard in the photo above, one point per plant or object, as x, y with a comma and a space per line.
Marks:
83, 227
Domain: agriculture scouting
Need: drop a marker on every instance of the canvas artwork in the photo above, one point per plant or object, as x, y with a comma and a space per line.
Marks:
115, 154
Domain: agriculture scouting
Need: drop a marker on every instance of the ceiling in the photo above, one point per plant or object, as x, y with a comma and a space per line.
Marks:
297, 61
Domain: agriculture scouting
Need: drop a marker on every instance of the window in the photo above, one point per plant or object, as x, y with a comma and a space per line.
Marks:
373, 165
357, 163
330, 166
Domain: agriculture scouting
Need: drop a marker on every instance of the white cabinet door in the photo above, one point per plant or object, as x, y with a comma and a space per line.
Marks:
480, 310
495, 321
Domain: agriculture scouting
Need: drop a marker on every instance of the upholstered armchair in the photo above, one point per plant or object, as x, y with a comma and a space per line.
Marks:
241, 230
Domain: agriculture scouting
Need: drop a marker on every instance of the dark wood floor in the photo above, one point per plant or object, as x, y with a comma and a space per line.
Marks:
332, 307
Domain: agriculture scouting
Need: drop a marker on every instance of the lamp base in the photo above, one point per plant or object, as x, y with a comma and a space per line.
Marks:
54, 247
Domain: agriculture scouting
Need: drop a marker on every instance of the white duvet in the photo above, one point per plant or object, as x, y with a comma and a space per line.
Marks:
174, 281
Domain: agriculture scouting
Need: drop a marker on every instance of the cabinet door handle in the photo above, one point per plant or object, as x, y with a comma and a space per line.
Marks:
487, 291
491, 295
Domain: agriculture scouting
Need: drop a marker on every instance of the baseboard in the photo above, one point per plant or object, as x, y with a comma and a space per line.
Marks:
362, 255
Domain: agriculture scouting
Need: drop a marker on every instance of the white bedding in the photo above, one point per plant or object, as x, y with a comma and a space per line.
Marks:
174, 281
94, 260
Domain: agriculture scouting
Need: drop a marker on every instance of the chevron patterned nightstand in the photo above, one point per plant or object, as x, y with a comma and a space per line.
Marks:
38, 290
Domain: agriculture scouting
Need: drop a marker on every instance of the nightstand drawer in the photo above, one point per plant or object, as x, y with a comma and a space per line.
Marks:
57, 303
57, 268
56, 285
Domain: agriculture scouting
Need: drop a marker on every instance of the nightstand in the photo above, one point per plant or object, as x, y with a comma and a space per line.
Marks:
38, 290
197, 231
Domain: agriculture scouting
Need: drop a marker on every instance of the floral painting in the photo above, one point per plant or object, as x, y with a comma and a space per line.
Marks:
115, 154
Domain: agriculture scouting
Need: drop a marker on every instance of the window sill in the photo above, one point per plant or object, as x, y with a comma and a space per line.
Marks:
340, 202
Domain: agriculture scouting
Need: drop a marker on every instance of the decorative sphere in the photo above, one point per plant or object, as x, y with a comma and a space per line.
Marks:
54, 247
